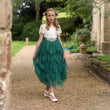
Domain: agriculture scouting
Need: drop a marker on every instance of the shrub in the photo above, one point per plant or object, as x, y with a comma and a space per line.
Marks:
68, 25
84, 34
31, 30
18, 25
75, 42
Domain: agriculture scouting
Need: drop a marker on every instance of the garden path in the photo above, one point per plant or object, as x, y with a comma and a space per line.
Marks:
83, 90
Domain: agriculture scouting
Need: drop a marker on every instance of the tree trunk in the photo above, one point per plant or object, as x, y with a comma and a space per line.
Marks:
37, 8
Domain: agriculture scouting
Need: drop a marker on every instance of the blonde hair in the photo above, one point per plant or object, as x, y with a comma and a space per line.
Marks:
55, 20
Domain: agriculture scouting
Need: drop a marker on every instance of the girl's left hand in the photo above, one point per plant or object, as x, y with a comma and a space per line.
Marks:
64, 56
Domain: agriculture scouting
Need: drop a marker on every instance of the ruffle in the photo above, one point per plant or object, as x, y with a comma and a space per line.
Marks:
50, 67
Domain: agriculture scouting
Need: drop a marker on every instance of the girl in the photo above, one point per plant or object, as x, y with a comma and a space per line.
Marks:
49, 58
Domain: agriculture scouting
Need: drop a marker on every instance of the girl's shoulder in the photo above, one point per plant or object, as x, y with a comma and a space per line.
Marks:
42, 28
43, 25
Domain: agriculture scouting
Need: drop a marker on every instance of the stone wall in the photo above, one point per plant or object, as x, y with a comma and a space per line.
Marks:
5, 50
100, 67
101, 26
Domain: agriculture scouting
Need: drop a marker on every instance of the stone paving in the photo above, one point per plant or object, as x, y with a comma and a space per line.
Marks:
83, 90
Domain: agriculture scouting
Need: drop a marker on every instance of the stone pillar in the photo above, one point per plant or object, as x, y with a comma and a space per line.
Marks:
5, 50
105, 45
101, 26
95, 23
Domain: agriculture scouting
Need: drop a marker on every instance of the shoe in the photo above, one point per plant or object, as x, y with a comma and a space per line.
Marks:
46, 94
51, 97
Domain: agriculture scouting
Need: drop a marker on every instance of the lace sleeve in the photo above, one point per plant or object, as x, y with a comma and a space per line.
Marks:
41, 30
59, 31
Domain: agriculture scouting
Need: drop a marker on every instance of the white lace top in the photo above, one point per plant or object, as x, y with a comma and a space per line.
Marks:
51, 33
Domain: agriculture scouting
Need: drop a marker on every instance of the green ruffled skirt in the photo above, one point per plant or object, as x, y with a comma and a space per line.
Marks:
50, 67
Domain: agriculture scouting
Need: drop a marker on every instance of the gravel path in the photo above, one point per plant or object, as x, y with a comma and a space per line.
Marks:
83, 90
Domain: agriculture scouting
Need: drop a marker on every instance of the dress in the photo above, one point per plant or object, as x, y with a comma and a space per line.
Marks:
50, 67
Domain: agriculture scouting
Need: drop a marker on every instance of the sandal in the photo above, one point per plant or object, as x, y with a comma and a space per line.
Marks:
46, 94
52, 97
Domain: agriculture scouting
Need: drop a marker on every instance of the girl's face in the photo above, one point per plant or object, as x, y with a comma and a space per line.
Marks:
51, 16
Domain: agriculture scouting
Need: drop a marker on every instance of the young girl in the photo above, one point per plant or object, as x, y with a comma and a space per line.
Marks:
49, 58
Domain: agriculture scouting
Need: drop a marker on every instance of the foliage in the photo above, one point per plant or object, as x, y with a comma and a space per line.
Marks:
91, 43
89, 49
56, 5
87, 22
76, 43
81, 8
22, 14
92, 49
68, 25
17, 27
18, 3
60, 9
18, 24
27, 10
77, 50
105, 58
83, 33
31, 30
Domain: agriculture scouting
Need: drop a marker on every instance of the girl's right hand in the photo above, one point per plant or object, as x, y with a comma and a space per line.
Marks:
34, 56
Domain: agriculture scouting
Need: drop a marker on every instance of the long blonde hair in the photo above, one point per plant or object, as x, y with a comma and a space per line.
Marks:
55, 20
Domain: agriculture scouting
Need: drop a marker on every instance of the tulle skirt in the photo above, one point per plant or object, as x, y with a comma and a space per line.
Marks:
50, 67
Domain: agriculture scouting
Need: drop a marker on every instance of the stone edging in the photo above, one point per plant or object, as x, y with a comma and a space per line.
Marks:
98, 66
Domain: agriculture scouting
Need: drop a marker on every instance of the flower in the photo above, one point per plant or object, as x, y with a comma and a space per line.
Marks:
56, 13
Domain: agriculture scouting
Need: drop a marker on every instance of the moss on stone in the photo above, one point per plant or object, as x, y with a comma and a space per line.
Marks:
107, 67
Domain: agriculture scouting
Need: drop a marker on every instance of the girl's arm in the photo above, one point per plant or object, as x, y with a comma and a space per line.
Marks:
38, 43
60, 40
62, 46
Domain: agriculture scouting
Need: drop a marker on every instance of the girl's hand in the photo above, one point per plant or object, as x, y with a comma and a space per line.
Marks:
34, 56
64, 56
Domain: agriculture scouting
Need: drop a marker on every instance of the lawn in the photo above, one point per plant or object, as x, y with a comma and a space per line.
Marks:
89, 49
105, 58
18, 45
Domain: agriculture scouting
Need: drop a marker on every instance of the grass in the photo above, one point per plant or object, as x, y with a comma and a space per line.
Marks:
69, 44
18, 45
92, 49
105, 58
89, 49
32, 42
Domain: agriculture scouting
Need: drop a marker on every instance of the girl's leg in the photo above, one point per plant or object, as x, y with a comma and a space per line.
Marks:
51, 89
46, 93
52, 94
47, 88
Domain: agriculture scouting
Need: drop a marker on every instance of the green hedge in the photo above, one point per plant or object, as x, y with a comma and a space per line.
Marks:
31, 30
68, 26
18, 25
